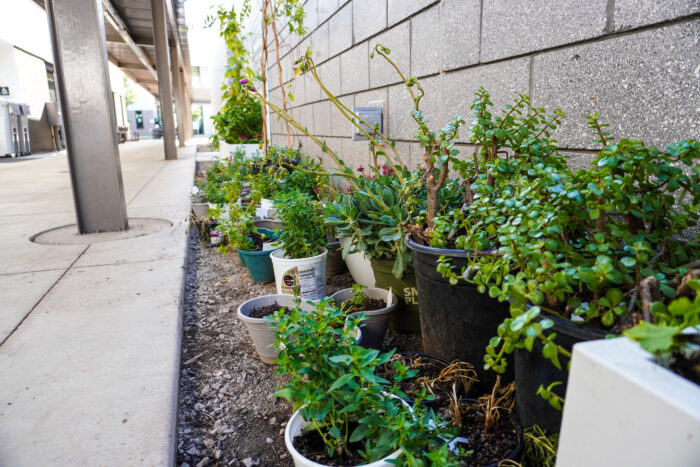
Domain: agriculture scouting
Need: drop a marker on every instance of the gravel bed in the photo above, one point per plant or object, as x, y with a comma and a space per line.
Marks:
227, 414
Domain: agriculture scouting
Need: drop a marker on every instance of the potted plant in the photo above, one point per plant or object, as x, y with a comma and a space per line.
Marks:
376, 305
429, 374
344, 414
369, 222
488, 432
253, 244
594, 251
254, 314
634, 386
301, 260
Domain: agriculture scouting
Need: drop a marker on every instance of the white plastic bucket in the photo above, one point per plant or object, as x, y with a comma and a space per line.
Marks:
294, 427
308, 273
359, 266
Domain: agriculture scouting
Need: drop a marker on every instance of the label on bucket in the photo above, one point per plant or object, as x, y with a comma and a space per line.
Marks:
310, 283
215, 236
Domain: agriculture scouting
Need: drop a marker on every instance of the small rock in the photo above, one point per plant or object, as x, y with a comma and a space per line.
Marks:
203, 462
184, 464
268, 440
209, 443
248, 462
193, 451
272, 421
218, 453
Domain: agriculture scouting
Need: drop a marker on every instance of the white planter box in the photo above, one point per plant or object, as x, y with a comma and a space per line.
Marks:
624, 409
226, 149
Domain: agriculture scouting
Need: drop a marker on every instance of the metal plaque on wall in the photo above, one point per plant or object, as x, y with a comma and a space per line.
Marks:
370, 116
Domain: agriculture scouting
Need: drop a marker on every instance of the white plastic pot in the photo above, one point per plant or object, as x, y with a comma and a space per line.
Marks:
359, 266
294, 427
622, 408
227, 149
260, 332
308, 273
201, 210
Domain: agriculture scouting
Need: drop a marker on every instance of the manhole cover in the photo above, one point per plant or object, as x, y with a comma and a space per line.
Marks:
68, 234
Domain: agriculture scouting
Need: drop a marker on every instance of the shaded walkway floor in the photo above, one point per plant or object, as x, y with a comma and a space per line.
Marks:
90, 334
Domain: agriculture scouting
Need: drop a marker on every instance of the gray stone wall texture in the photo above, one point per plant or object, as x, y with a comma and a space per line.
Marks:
635, 62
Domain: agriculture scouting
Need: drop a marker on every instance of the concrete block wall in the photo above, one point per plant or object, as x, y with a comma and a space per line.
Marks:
635, 62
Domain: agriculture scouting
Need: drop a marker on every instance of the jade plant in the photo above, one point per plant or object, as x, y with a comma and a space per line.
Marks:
332, 381
597, 247
303, 235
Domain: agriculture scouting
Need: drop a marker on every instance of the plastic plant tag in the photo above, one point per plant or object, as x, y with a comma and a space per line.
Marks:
195, 190
389, 298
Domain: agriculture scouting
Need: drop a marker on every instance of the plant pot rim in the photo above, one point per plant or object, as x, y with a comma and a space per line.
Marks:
429, 250
289, 443
257, 252
276, 297
572, 327
278, 254
381, 311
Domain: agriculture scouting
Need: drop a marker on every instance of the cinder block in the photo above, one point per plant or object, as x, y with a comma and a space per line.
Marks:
425, 52
355, 153
340, 126
340, 31
319, 44
634, 13
645, 85
311, 88
306, 117
400, 122
504, 80
329, 73
311, 16
459, 28
322, 118
396, 39
400, 9
368, 18
513, 27
354, 69
325, 9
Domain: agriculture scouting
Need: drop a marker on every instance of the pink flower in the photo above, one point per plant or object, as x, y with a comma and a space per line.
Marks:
243, 138
360, 169
243, 81
230, 158
259, 135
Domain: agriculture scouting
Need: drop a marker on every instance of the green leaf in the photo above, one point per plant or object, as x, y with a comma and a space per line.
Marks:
360, 433
340, 382
654, 338
628, 261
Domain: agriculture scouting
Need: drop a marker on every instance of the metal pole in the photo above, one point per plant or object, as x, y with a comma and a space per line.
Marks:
160, 37
80, 62
179, 104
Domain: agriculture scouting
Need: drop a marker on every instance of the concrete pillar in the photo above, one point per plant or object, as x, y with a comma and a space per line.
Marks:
177, 92
80, 55
165, 95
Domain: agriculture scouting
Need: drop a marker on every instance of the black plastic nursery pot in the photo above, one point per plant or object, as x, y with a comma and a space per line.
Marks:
457, 321
406, 317
533, 370
334, 262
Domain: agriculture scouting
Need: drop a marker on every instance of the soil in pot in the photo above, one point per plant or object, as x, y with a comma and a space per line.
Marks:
371, 304
431, 376
687, 367
264, 311
311, 446
501, 441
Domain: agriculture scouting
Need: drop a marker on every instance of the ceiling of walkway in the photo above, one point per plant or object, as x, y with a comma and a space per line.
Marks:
130, 44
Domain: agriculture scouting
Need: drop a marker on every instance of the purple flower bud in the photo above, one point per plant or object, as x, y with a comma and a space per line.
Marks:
243, 81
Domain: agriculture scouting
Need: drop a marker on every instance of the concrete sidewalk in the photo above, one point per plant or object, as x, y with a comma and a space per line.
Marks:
90, 334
